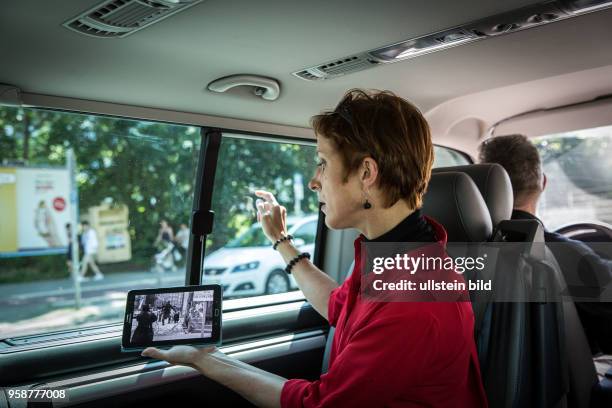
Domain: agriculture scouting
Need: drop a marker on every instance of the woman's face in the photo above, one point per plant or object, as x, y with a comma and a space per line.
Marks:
342, 202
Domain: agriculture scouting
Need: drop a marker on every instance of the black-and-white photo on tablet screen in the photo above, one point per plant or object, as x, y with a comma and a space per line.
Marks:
169, 316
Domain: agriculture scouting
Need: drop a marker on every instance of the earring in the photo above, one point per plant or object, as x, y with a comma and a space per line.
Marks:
367, 205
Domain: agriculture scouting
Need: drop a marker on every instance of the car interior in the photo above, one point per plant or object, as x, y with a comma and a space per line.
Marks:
145, 110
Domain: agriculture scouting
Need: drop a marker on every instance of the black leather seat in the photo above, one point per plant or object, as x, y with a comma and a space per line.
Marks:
494, 185
503, 337
561, 366
520, 344
454, 201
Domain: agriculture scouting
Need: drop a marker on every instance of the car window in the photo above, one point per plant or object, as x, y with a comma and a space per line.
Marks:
238, 255
445, 157
122, 177
253, 237
578, 166
307, 232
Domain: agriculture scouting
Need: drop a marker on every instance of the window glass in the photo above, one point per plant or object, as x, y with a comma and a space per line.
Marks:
112, 181
307, 232
578, 166
238, 255
253, 237
445, 157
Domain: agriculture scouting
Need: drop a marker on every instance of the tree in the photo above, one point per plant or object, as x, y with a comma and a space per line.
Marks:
150, 167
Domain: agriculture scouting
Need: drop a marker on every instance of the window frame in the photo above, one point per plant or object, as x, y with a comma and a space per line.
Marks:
97, 334
320, 238
463, 154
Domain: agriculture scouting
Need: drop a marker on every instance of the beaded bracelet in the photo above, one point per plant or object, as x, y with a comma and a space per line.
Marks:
295, 260
281, 239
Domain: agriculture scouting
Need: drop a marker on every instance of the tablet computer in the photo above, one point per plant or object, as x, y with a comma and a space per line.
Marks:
166, 317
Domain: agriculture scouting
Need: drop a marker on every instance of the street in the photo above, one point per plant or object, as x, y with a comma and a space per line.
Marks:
44, 306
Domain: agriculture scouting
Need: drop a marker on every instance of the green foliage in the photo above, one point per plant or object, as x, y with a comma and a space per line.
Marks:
150, 167
147, 166
246, 165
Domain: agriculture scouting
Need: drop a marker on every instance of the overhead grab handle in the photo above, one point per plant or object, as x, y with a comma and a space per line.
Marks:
267, 88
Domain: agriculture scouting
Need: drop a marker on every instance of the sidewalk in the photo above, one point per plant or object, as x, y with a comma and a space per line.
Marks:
66, 287
44, 306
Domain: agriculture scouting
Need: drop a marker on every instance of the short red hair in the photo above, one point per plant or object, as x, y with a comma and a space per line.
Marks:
390, 130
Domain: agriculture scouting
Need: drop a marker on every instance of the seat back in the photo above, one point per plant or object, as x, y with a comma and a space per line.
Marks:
494, 185
581, 374
532, 354
520, 344
454, 201
503, 331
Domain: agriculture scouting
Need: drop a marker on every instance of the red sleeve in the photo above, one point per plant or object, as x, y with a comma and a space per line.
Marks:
376, 366
337, 298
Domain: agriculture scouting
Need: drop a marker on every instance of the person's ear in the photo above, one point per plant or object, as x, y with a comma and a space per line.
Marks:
544, 181
369, 172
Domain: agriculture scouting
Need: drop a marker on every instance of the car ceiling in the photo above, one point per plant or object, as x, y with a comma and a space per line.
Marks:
169, 64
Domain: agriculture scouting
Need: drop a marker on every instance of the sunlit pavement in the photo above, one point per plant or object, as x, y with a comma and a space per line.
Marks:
51, 305
173, 331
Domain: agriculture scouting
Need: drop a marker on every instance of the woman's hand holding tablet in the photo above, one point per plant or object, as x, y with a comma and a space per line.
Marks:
181, 355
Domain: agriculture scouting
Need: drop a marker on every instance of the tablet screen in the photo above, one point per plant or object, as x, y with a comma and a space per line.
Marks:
169, 316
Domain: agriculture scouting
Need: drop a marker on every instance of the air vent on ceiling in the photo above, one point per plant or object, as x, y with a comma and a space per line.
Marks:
516, 20
337, 68
120, 18
500, 24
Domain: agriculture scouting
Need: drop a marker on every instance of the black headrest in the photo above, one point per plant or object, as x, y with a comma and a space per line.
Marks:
454, 201
494, 184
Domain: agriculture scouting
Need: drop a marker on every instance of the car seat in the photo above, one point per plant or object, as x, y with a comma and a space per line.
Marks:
562, 369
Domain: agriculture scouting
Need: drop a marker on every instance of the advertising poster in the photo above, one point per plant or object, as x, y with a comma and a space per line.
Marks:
111, 226
35, 206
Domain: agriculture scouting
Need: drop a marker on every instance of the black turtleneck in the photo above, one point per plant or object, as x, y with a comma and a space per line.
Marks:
413, 228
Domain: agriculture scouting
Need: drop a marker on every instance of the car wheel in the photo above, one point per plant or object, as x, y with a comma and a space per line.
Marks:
277, 282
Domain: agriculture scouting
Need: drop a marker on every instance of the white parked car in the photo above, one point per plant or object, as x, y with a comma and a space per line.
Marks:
247, 265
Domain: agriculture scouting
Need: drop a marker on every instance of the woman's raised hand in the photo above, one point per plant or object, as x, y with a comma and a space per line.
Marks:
271, 215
